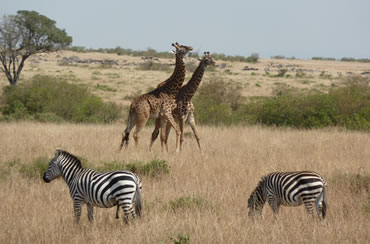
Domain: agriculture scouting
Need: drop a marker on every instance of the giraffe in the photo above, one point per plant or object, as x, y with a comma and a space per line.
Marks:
157, 102
184, 109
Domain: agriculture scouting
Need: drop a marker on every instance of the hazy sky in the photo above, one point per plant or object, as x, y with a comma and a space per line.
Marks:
303, 29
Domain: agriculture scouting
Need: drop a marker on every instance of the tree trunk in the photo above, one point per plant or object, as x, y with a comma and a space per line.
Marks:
11, 70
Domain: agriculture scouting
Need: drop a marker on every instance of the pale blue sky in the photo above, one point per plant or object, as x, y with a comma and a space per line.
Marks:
324, 28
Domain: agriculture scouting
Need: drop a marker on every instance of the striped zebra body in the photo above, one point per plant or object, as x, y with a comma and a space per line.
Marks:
290, 189
104, 190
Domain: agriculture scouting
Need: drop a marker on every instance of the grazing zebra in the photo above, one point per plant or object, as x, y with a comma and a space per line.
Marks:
104, 190
289, 189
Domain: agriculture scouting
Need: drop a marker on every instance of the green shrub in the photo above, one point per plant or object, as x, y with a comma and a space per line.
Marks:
310, 111
281, 72
187, 202
347, 106
181, 239
36, 169
105, 88
153, 168
47, 98
150, 65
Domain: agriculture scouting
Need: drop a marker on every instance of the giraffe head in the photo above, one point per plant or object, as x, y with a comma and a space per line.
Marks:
181, 50
207, 60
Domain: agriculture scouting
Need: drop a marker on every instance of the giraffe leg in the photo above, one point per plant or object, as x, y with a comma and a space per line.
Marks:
171, 120
139, 126
181, 125
194, 128
164, 126
90, 212
168, 130
155, 132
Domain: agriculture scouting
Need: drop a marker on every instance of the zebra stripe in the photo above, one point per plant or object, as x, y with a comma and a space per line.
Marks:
104, 190
290, 189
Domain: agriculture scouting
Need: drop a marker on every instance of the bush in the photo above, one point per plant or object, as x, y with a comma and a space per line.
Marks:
150, 65
47, 98
36, 169
347, 106
187, 202
153, 168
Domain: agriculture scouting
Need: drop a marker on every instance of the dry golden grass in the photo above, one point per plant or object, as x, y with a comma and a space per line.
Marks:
221, 178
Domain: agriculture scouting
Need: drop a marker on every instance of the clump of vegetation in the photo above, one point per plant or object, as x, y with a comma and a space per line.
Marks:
362, 60
324, 58
32, 170
281, 72
150, 65
36, 169
105, 88
220, 103
187, 202
47, 98
216, 102
181, 239
153, 168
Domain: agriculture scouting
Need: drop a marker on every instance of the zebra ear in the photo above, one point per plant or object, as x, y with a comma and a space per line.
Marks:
58, 151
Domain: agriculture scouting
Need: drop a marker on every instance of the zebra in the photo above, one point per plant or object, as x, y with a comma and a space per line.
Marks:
290, 189
104, 190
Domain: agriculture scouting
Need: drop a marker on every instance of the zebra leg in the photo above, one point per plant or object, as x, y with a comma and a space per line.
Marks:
275, 206
308, 205
90, 212
77, 209
117, 212
128, 210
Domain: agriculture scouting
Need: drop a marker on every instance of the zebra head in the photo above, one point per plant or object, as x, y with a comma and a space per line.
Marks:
256, 202
54, 169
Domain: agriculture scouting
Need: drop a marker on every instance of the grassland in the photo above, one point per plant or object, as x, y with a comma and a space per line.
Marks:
117, 83
204, 196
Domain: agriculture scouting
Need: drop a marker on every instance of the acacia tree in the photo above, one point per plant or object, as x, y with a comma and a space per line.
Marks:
25, 34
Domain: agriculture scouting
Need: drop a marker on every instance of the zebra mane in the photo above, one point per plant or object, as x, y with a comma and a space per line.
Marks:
73, 157
259, 187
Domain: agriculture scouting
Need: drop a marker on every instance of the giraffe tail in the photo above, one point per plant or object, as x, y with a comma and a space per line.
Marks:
130, 124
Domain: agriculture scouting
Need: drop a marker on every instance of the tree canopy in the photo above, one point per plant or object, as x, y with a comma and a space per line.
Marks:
25, 34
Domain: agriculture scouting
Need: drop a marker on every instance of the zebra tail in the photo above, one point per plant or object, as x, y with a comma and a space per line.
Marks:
322, 199
324, 204
138, 204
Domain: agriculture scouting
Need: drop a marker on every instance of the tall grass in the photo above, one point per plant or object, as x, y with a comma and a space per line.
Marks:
203, 197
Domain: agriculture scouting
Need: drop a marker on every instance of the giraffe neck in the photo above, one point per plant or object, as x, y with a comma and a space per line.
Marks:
191, 87
173, 84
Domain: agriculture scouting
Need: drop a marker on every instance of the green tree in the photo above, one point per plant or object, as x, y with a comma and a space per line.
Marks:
25, 34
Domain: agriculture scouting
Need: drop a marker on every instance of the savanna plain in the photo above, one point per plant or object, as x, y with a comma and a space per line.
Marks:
201, 197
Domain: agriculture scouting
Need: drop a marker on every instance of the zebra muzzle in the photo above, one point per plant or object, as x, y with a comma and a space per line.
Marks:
45, 179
